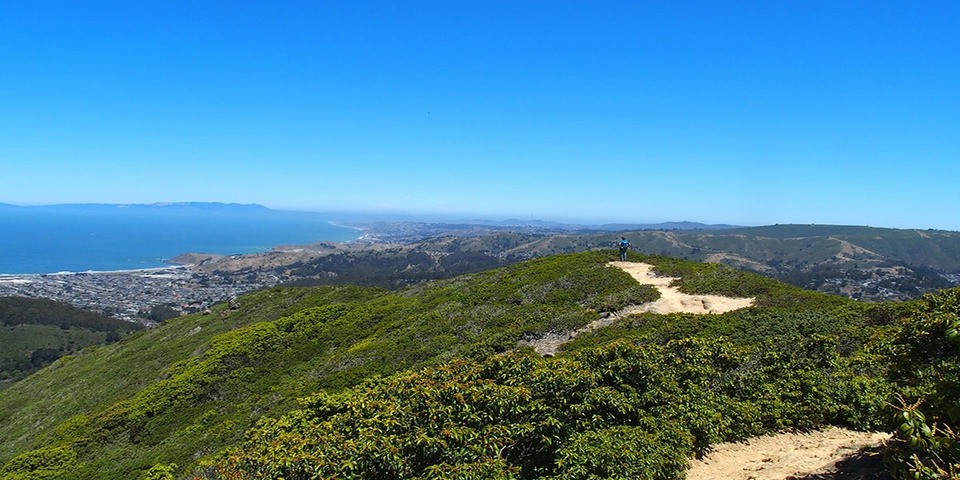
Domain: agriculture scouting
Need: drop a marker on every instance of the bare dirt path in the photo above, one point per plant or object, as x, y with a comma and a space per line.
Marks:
671, 300
834, 453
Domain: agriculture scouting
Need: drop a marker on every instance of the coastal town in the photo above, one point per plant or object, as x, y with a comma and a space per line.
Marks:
131, 294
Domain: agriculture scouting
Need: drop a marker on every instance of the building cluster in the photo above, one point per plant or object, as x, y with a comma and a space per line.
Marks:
129, 295
882, 284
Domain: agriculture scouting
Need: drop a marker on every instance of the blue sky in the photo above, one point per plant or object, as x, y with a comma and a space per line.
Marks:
739, 112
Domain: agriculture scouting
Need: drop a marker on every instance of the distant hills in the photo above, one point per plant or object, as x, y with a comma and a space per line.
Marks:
210, 207
860, 262
574, 227
370, 218
665, 226
865, 263
366, 218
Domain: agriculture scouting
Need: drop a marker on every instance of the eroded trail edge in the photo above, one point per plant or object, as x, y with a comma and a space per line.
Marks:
671, 300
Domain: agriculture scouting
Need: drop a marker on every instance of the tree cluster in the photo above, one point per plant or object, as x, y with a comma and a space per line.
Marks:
40, 311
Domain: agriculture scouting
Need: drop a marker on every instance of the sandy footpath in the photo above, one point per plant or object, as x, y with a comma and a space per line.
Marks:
673, 300
813, 455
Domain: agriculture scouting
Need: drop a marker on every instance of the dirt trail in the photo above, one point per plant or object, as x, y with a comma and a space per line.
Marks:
821, 455
833, 453
671, 301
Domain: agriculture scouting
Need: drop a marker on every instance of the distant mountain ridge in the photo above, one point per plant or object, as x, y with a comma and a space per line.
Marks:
862, 262
203, 206
682, 225
859, 262
236, 208
667, 226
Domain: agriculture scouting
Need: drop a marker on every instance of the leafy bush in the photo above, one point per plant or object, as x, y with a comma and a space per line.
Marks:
625, 452
44, 463
925, 363
626, 410
162, 471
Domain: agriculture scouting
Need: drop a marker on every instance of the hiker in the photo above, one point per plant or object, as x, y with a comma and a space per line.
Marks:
624, 245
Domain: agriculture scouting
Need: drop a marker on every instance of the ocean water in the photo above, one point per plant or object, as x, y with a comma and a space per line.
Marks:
79, 238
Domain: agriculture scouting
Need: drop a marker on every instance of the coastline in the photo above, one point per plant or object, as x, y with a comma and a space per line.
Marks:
7, 276
340, 225
41, 243
124, 275
171, 263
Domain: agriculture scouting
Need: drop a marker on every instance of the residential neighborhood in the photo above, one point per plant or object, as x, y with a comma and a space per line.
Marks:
129, 295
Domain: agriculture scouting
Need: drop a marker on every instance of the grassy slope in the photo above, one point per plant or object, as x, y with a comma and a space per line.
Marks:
184, 389
98, 377
633, 400
20, 340
30, 324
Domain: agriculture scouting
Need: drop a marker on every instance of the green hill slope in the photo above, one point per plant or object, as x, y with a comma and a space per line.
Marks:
36, 331
196, 382
358, 382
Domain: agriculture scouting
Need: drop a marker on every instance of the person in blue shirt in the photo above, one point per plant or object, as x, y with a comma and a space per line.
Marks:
624, 245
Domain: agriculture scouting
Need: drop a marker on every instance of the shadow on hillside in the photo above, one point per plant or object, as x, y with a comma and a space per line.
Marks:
864, 465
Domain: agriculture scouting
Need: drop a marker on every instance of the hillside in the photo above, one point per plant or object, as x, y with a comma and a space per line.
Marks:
38, 331
429, 381
863, 263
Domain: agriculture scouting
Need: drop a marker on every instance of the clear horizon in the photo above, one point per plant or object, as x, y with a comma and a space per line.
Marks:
761, 113
368, 215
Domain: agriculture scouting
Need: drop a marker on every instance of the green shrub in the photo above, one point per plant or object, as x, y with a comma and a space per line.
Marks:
421, 382
926, 366
162, 471
625, 452
622, 410
43, 463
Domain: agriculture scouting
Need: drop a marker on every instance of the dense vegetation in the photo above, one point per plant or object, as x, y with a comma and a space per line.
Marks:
196, 382
924, 362
39, 311
34, 332
623, 410
427, 381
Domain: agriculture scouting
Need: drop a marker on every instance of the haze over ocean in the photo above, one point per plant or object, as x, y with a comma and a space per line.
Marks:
107, 238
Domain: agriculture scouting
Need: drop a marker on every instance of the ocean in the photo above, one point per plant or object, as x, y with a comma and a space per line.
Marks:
80, 238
